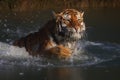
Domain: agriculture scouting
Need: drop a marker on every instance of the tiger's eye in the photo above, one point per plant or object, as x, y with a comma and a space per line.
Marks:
67, 21
80, 20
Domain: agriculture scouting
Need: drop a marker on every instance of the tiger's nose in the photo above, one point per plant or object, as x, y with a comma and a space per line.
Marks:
76, 29
64, 29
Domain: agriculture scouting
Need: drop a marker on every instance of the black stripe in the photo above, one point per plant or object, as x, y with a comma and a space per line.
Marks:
55, 38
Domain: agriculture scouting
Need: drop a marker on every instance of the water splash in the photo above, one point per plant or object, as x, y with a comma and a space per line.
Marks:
89, 53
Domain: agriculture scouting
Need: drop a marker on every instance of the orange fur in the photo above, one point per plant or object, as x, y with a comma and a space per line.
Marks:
42, 43
41, 39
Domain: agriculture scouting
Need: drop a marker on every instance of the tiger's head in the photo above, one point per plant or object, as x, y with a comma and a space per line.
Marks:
70, 25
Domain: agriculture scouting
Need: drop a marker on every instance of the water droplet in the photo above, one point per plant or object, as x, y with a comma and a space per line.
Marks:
31, 21
5, 25
39, 69
8, 29
21, 73
6, 16
5, 20
7, 40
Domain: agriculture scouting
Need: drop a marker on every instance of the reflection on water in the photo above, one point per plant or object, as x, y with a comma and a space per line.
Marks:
97, 59
63, 73
89, 54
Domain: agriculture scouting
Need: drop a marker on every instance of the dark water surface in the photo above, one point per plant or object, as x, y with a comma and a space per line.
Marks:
62, 73
97, 59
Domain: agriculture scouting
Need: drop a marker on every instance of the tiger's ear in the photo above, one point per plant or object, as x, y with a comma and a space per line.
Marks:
82, 13
55, 15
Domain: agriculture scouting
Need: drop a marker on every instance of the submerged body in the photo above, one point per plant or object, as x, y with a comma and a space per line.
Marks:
57, 37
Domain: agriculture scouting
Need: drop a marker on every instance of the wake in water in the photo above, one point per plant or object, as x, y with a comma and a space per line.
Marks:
88, 53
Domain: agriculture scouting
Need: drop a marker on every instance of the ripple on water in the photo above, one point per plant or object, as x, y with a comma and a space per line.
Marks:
90, 53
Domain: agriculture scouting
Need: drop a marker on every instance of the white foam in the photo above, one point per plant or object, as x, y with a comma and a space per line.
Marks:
18, 52
93, 43
12, 55
21, 73
13, 51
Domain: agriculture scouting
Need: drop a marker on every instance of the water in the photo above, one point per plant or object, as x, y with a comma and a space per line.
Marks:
97, 59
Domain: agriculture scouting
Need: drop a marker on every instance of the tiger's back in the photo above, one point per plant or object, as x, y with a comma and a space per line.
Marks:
57, 37
35, 42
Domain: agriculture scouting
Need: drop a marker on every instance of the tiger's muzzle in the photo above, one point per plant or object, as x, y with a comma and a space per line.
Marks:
71, 33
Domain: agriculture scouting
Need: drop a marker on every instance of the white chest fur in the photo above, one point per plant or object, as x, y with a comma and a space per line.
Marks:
70, 45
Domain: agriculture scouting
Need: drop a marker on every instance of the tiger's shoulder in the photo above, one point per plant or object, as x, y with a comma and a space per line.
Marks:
36, 42
57, 37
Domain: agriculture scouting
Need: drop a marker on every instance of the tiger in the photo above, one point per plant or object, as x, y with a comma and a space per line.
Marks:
57, 38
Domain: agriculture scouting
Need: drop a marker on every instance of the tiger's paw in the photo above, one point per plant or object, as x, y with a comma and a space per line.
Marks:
59, 52
63, 52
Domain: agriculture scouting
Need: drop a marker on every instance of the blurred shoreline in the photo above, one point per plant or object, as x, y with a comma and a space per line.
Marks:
35, 5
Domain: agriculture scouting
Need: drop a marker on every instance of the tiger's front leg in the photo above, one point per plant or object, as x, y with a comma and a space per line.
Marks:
60, 52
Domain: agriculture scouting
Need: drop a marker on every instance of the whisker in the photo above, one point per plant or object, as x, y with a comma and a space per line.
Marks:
84, 35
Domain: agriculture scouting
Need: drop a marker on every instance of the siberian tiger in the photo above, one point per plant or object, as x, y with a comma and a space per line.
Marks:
58, 37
